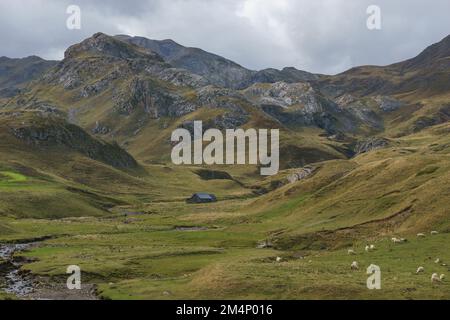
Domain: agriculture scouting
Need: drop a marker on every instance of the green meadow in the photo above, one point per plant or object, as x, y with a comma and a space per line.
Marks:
134, 236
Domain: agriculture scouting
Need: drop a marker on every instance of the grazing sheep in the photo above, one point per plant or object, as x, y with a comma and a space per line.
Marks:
420, 270
437, 261
351, 251
279, 259
354, 265
367, 249
433, 233
435, 278
372, 247
397, 240
421, 235
442, 277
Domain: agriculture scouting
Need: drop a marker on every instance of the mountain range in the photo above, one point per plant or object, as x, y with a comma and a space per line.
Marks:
85, 165
127, 89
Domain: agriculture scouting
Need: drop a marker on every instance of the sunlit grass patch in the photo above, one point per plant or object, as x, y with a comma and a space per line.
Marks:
11, 177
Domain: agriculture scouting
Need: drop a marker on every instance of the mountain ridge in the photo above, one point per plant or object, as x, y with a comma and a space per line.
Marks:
136, 93
217, 69
231, 74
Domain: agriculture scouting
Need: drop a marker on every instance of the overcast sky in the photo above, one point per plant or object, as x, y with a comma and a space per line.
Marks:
323, 36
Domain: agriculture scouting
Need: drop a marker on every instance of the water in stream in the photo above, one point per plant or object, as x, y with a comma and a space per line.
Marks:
13, 280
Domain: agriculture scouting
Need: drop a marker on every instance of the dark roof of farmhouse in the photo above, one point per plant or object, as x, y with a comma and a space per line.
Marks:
202, 195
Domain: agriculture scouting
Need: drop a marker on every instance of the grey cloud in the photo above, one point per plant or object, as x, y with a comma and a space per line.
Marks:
326, 36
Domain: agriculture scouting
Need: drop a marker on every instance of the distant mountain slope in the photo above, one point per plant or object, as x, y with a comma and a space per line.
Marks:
15, 73
218, 70
423, 76
436, 57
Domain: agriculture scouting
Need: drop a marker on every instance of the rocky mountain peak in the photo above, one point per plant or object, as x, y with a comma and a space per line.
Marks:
168, 49
102, 44
216, 69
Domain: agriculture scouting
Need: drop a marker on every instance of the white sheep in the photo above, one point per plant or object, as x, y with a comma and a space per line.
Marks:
397, 240
372, 247
367, 248
435, 278
279, 259
437, 261
442, 277
421, 235
420, 270
354, 265
433, 233
351, 251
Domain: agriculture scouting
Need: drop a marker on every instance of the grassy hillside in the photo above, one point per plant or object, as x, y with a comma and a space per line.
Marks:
166, 249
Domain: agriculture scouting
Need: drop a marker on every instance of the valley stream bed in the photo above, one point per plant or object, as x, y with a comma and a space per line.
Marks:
24, 285
12, 280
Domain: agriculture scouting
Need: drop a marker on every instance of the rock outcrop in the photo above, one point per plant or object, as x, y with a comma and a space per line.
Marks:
371, 144
301, 174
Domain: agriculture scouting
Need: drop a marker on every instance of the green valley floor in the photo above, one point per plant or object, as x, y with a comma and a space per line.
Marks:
167, 253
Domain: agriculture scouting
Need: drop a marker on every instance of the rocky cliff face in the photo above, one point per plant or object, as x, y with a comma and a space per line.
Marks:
303, 104
371, 144
289, 75
146, 95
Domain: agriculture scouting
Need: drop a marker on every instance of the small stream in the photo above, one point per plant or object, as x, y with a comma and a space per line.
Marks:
13, 280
